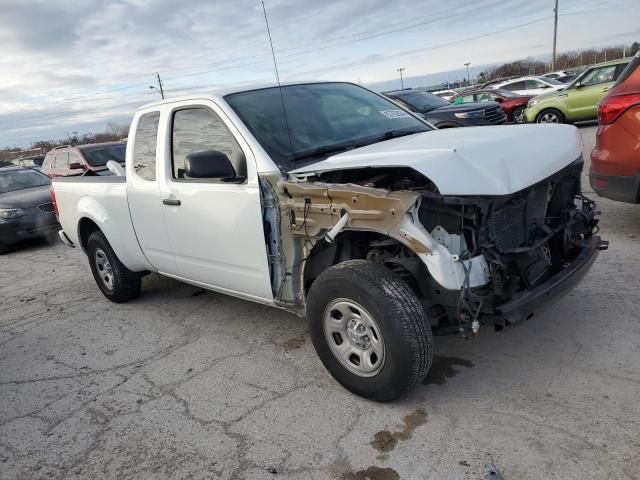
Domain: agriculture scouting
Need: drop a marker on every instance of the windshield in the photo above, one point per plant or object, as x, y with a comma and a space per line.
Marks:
421, 101
99, 156
12, 180
506, 93
321, 118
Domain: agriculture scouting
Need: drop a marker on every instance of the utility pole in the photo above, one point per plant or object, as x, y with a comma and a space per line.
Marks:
555, 36
401, 69
159, 88
468, 79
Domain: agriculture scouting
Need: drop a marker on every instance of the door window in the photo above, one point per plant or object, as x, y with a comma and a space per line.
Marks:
74, 158
534, 84
61, 161
514, 86
599, 75
144, 147
198, 130
485, 97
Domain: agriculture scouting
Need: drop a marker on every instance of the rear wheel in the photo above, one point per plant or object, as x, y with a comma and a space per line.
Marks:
369, 330
518, 115
550, 115
117, 282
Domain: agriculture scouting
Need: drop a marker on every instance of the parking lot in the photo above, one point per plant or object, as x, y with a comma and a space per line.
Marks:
183, 383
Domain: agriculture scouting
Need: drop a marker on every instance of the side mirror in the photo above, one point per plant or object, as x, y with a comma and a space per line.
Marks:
498, 100
578, 85
76, 166
545, 86
210, 164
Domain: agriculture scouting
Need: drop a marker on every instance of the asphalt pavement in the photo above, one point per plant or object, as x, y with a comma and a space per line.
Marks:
183, 383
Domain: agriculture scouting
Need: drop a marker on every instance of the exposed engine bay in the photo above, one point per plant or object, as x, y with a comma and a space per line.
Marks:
464, 256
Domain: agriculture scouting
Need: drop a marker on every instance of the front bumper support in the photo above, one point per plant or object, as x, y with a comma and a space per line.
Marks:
525, 304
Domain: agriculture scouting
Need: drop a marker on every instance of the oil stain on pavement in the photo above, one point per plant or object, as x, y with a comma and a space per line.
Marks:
385, 440
373, 473
443, 367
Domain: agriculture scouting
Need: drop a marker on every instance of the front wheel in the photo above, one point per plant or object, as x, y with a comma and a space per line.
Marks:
117, 282
369, 330
518, 115
550, 115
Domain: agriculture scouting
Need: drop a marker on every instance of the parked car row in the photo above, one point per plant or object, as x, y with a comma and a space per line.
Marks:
444, 114
579, 100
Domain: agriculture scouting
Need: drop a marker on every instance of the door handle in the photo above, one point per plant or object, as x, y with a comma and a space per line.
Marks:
171, 202
606, 89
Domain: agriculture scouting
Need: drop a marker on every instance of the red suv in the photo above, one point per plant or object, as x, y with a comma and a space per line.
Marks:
615, 160
512, 104
67, 160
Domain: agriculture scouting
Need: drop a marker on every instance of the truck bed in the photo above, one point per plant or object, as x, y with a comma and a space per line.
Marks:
103, 201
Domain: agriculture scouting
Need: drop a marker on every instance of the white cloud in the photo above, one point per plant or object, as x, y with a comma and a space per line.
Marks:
74, 65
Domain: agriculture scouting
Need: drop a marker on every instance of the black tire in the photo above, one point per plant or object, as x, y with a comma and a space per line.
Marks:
3, 249
549, 113
517, 115
125, 283
398, 314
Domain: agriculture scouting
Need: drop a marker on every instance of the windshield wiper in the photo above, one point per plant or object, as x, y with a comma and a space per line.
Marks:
325, 150
396, 133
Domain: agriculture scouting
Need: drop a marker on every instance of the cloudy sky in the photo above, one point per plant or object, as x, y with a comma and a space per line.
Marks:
73, 66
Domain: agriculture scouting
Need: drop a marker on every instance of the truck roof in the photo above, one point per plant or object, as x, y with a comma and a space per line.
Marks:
218, 93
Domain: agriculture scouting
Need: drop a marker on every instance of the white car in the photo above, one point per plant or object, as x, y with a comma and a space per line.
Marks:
530, 85
445, 94
347, 210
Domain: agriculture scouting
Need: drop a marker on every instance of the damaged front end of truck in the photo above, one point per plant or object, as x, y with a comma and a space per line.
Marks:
471, 260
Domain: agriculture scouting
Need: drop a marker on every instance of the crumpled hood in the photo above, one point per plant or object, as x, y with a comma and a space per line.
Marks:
492, 160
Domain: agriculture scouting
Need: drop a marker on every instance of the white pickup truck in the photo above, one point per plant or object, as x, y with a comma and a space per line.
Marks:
327, 200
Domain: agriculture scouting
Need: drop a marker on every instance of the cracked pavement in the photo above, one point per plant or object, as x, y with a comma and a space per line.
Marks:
184, 384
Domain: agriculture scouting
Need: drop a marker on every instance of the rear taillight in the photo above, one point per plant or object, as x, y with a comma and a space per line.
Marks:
53, 201
611, 107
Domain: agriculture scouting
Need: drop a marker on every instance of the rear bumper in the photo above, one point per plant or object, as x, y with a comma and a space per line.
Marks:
616, 187
524, 305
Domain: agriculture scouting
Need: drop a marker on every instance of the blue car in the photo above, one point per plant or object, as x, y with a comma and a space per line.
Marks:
26, 210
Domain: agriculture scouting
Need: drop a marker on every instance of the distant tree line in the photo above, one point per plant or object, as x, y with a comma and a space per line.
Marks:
564, 61
114, 131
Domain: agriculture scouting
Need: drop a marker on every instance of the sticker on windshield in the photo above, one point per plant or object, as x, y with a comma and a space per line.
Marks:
394, 113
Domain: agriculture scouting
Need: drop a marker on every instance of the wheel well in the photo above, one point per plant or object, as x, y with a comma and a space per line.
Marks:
85, 228
379, 248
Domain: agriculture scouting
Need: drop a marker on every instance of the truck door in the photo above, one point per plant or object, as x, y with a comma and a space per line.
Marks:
215, 227
143, 193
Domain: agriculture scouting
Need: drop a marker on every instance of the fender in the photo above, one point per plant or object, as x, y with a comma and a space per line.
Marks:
118, 230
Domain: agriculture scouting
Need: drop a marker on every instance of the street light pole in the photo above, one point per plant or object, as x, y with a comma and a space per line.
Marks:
555, 36
468, 79
401, 69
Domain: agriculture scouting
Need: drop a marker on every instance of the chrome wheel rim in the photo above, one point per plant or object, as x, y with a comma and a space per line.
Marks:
103, 267
549, 117
354, 337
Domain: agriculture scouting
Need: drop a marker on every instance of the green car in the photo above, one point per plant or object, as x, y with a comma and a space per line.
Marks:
579, 101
